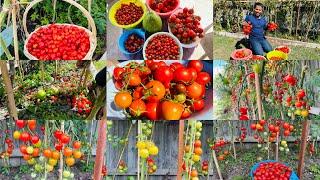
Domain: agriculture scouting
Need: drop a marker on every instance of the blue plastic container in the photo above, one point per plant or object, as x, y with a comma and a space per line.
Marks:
124, 36
254, 168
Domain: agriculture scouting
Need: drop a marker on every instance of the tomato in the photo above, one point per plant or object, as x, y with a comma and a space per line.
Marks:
221, 157
20, 123
193, 73
153, 111
203, 78
181, 98
65, 139
171, 110
36, 152
198, 151
24, 136
118, 84
148, 63
304, 113
197, 105
271, 127
197, 143
70, 161
154, 91
23, 149
123, 99
194, 90
163, 74
134, 79
32, 124
55, 155
186, 113
301, 94
76, 144
176, 65
47, 153
286, 125
182, 75
57, 134
118, 73
181, 88
137, 108
77, 154
145, 71
196, 64
67, 151
194, 173
16, 134
262, 122
138, 93
34, 139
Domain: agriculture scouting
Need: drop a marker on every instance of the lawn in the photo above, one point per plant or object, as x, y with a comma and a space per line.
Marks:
223, 47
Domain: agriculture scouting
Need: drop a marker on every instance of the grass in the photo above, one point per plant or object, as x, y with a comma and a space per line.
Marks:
223, 47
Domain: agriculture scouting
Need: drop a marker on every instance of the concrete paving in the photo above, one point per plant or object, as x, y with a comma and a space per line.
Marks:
204, 50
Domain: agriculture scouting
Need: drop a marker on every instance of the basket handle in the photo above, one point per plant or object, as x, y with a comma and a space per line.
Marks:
82, 9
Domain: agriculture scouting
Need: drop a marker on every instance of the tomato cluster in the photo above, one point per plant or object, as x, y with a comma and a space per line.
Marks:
128, 13
8, 151
162, 47
81, 104
247, 28
284, 49
205, 167
134, 43
186, 26
122, 168
59, 42
152, 167
243, 114
271, 171
147, 149
163, 6
272, 26
156, 90
241, 54
220, 146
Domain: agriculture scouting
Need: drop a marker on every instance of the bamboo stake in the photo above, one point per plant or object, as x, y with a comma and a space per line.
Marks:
61, 157
101, 145
15, 35
138, 161
215, 160
303, 146
180, 149
8, 88
258, 93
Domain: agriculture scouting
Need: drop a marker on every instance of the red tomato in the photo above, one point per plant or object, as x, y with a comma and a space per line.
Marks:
301, 94
137, 93
65, 139
186, 113
193, 73
35, 139
194, 90
118, 84
57, 134
286, 125
196, 64
137, 108
171, 110
58, 146
198, 105
20, 123
154, 91
174, 66
134, 79
203, 78
163, 74
182, 75
24, 136
117, 73
149, 63
153, 111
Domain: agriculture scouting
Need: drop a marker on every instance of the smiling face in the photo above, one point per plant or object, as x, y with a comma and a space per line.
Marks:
258, 11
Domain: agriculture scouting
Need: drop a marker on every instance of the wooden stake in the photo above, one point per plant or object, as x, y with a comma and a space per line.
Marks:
61, 157
303, 146
180, 149
215, 160
15, 35
101, 145
8, 88
259, 104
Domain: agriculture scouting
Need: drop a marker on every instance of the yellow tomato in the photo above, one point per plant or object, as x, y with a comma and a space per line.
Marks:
29, 149
16, 135
77, 154
297, 112
304, 113
52, 162
49, 167
141, 145
196, 158
70, 161
144, 153
153, 150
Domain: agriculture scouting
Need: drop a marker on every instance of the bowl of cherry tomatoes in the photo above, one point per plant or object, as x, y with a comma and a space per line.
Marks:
241, 54
185, 25
160, 90
164, 8
131, 42
127, 14
162, 46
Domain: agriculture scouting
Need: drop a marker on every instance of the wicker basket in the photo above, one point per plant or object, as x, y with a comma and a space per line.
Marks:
92, 34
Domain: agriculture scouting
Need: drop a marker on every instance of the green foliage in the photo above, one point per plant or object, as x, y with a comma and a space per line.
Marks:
238, 178
315, 169
87, 168
24, 169
5, 170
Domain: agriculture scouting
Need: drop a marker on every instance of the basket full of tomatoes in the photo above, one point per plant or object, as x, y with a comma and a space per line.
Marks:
271, 169
60, 41
160, 90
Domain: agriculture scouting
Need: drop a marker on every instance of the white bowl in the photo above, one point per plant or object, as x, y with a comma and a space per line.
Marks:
191, 45
163, 33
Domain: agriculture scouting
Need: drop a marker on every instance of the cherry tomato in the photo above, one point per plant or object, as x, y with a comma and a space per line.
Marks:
181, 88
154, 91
176, 65
182, 75
196, 64
171, 110
137, 93
194, 90
123, 99
186, 113
198, 105
117, 73
193, 73
163, 74
153, 111
137, 108
134, 79
203, 78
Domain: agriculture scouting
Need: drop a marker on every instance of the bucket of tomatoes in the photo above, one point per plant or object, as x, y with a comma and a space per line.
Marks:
277, 55
131, 42
241, 54
270, 170
127, 14
60, 41
164, 8
162, 46
185, 25
160, 90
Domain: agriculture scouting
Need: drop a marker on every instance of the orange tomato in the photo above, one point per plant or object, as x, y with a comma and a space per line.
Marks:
55, 155
27, 157
197, 143
221, 157
194, 173
137, 108
77, 154
47, 153
123, 99
67, 151
23, 149
77, 145
134, 79
70, 161
198, 151
154, 91
32, 124
187, 148
36, 152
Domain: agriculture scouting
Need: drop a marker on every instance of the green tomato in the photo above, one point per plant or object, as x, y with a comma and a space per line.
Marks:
41, 94
283, 143
38, 167
281, 148
33, 175
199, 125
181, 98
66, 174
71, 176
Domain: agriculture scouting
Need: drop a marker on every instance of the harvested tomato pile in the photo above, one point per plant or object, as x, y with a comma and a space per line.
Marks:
258, 58
272, 26
134, 43
82, 104
163, 6
241, 54
275, 58
284, 49
247, 29
162, 47
186, 26
271, 171
155, 90
59, 42
128, 14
